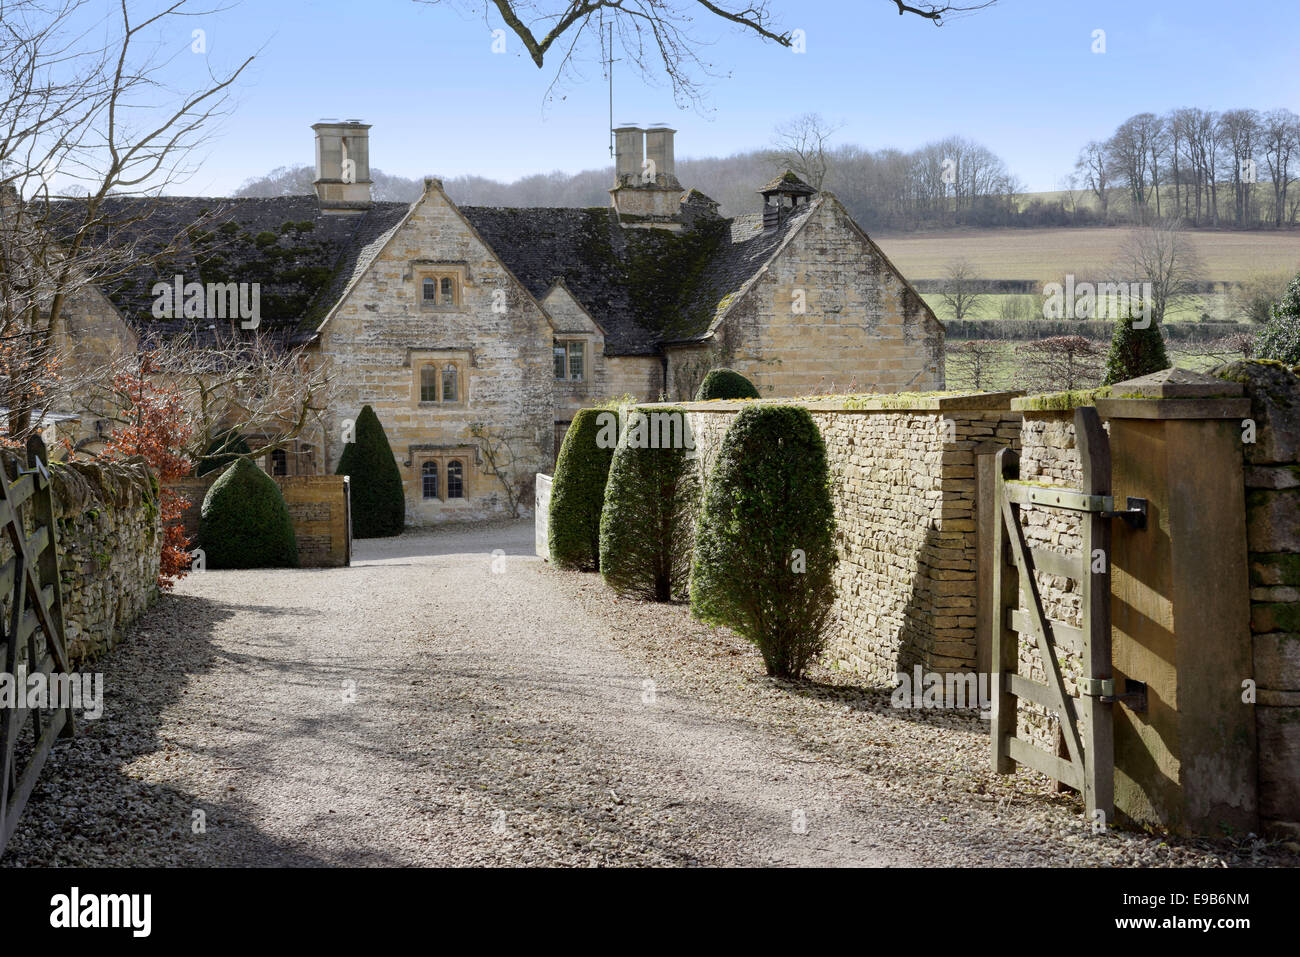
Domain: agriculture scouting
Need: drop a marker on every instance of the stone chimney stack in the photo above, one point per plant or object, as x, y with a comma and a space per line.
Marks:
646, 194
343, 166
659, 150
628, 156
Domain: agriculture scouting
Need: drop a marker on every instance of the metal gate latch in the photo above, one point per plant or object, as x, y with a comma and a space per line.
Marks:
1135, 514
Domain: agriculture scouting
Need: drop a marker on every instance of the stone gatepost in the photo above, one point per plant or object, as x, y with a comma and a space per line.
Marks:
1180, 605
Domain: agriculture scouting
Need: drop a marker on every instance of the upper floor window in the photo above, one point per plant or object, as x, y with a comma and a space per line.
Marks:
279, 462
428, 384
570, 360
450, 383
440, 383
440, 290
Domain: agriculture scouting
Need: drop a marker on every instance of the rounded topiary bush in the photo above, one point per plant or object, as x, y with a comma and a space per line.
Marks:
578, 489
378, 499
1134, 352
726, 384
647, 525
244, 522
224, 448
765, 541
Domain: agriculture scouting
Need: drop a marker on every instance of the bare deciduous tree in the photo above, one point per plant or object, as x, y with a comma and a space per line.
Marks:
975, 364
1161, 254
799, 145
250, 386
961, 290
86, 117
655, 35
1059, 363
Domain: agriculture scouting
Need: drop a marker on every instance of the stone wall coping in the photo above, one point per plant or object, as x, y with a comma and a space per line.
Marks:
1198, 408
897, 402
1059, 402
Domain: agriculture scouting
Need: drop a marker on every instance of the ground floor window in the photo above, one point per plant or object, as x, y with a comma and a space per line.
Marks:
442, 471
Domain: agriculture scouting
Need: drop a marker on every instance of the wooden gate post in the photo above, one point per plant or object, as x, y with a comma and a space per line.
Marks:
1180, 607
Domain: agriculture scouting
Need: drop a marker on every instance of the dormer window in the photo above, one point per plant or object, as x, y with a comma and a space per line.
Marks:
570, 360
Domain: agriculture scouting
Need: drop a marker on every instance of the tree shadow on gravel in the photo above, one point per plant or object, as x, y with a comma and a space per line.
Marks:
89, 809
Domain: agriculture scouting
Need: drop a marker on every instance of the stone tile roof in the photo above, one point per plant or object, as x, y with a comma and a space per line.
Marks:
644, 287
788, 182
302, 258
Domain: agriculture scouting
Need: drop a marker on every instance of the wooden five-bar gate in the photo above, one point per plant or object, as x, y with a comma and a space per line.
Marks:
32, 637
1087, 763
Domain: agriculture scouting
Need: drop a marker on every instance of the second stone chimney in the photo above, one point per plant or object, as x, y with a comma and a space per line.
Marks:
342, 166
646, 192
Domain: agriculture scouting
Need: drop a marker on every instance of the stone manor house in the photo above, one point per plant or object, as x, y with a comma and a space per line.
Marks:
443, 317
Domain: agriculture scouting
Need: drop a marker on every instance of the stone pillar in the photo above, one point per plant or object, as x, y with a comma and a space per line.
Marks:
1180, 605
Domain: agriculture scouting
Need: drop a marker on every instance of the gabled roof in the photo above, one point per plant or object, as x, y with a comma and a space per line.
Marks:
643, 287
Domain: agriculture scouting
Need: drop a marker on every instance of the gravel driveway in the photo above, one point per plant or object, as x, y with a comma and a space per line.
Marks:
452, 700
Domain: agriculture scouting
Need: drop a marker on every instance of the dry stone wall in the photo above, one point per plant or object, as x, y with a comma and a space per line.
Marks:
108, 524
1272, 464
903, 481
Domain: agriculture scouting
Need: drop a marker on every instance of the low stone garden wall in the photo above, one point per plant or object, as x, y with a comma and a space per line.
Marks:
318, 505
903, 481
108, 524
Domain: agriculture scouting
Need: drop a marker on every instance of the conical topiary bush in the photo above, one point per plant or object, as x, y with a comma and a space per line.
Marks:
647, 526
578, 490
378, 499
765, 540
1135, 352
245, 523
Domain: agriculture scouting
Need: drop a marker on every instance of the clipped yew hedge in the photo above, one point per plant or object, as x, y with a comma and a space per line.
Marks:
765, 542
726, 384
647, 525
244, 522
578, 490
378, 499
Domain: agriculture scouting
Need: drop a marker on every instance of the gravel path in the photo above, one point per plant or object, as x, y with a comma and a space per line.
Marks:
452, 700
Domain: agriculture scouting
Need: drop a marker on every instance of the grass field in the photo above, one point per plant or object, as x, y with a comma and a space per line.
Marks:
1044, 254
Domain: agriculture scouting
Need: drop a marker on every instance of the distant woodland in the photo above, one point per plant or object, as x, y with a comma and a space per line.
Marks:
1236, 168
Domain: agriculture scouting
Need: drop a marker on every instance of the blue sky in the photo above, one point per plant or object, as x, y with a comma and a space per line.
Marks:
1020, 78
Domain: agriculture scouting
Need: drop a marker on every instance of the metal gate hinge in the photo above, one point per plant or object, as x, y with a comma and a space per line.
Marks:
1135, 514
1103, 689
